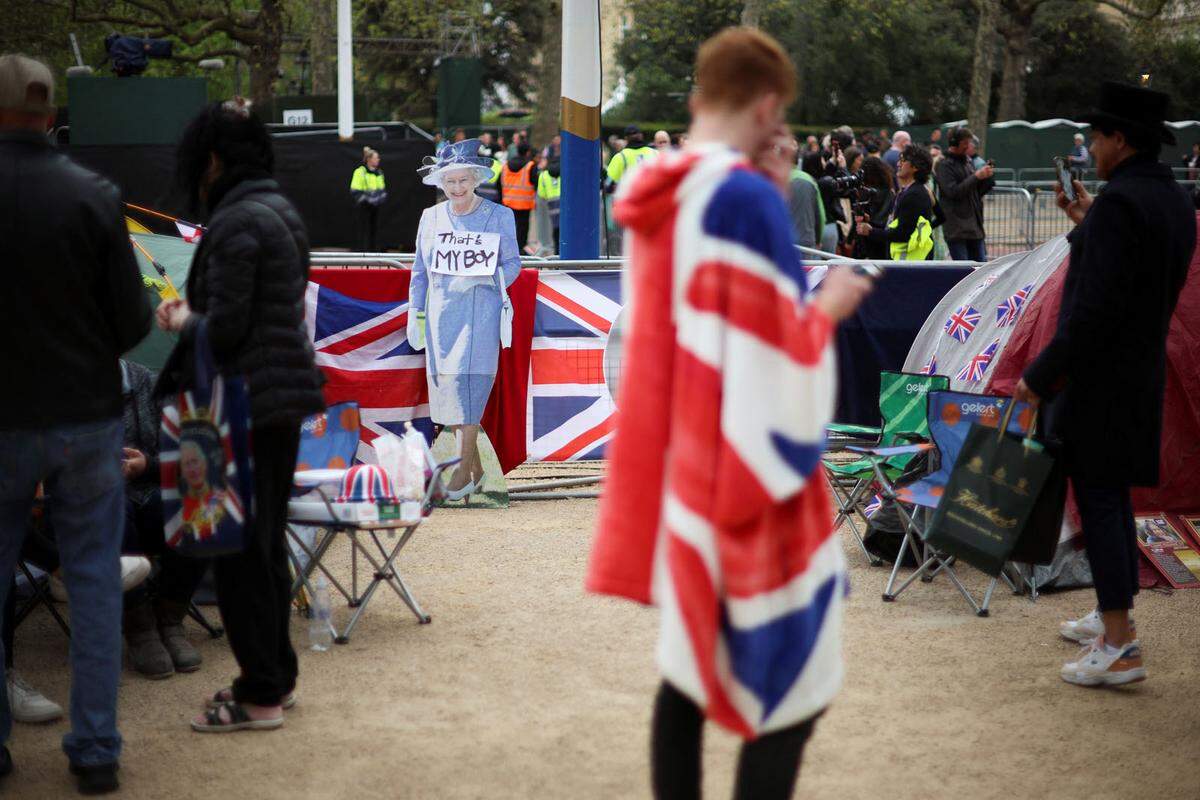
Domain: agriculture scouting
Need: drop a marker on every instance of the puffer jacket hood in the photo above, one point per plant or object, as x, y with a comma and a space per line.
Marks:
248, 278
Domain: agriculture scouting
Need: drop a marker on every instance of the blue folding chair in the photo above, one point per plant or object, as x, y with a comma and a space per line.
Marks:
951, 415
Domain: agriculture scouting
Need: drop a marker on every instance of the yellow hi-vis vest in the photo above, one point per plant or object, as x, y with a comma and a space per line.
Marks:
918, 245
550, 189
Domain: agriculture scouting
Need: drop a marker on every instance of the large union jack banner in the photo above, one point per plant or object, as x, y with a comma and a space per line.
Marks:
362, 348
571, 414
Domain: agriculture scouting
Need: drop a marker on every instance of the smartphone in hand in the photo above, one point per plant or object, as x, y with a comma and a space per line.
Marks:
1064, 178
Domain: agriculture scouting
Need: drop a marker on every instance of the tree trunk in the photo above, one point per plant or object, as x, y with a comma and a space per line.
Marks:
1017, 40
752, 13
546, 125
981, 72
322, 46
263, 55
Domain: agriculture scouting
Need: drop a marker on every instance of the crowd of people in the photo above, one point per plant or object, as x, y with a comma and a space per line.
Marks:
715, 507
886, 197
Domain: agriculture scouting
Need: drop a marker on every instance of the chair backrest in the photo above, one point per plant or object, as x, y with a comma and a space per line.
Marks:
329, 440
951, 415
903, 404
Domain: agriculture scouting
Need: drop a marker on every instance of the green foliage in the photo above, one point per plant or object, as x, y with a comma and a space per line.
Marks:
861, 59
403, 84
851, 55
659, 50
1067, 37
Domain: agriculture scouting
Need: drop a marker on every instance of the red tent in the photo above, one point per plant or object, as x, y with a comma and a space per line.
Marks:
1179, 490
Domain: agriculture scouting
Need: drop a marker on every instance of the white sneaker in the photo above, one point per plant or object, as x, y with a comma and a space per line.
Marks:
28, 704
1086, 629
134, 571
1097, 667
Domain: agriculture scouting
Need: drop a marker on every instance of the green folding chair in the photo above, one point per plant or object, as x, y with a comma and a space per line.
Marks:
902, 407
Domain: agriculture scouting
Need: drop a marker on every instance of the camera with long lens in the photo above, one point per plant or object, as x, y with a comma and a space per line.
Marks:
855, 188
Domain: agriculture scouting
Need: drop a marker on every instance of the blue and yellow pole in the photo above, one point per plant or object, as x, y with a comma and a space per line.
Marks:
580, 205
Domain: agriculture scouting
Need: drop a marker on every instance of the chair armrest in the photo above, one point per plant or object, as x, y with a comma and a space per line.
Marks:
888, 452
435, 480
914, 438
853, 430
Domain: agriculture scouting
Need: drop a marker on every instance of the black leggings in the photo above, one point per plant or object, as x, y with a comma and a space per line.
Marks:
767, 767
254, 587
1111, 541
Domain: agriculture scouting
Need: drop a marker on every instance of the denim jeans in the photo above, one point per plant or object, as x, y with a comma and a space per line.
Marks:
85, 499
966, 249
829, 237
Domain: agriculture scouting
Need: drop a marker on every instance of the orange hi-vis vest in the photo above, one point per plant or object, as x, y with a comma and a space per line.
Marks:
517, 190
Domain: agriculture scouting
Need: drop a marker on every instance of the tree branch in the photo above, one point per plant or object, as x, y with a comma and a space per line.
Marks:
209, 54
1136, 13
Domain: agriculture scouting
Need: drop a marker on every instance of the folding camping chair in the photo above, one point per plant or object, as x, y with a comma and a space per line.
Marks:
332, 438
950, 415
902, 406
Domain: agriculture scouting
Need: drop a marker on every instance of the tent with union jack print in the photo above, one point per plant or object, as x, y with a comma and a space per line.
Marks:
966, 332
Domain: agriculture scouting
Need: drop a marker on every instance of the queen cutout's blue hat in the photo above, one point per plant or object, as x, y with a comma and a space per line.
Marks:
455, 155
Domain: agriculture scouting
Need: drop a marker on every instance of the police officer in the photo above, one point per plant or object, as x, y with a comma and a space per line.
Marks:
369, 192
1103, 374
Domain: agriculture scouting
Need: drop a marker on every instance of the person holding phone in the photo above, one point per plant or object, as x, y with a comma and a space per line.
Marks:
714, 484
962, 187
1102, 377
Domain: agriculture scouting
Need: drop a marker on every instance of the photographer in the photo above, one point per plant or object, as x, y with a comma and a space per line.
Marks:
908, 233
834, 166
878, 179
962, 189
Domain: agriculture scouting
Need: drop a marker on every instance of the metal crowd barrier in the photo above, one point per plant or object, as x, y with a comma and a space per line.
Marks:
1008, 220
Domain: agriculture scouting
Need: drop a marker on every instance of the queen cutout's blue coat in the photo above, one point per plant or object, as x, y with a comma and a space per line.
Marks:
462, 313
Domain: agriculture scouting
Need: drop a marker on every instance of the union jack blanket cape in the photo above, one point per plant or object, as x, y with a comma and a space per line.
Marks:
714, 508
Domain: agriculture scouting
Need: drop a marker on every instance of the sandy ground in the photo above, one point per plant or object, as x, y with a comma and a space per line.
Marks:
523, 687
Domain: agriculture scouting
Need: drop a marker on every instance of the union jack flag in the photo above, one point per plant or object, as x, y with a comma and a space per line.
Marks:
930, 367
190, 233
1006, 312
366, 483
974, 369
714, 508
571, 414
362, 348
872, 508
962, 322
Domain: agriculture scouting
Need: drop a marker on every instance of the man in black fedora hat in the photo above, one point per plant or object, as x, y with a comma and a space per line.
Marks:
1103, 373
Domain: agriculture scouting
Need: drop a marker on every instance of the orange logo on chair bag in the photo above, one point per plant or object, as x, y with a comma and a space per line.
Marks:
951, 414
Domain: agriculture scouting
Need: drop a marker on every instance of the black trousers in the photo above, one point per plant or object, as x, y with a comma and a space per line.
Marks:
254, 586
178, 576
368, 218
1110, 536
767, 767
522, 218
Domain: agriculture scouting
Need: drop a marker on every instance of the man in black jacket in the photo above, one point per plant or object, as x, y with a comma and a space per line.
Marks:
962, 188
72, 303
1104, 371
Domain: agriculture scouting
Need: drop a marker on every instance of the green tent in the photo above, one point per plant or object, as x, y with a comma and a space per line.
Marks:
175, 256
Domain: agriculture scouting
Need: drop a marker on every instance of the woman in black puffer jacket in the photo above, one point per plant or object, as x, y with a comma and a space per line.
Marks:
247, 280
